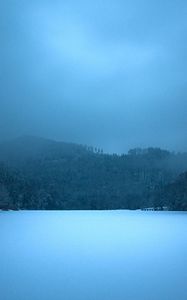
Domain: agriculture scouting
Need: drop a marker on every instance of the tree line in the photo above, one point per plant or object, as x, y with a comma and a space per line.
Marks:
42, 174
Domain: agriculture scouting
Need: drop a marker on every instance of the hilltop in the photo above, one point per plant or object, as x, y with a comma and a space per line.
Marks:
37, 173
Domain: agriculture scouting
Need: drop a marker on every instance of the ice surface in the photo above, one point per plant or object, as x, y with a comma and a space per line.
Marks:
93, 255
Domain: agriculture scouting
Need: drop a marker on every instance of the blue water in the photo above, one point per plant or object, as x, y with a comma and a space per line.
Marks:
93, 255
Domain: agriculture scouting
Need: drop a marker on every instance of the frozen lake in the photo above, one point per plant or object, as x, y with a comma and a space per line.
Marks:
93, 255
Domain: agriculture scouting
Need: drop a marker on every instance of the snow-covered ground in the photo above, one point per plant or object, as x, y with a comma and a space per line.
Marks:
93, 255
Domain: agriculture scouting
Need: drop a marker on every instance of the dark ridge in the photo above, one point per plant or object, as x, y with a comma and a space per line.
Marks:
37, 173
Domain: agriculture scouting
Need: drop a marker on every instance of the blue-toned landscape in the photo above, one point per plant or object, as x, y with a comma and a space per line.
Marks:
93, 150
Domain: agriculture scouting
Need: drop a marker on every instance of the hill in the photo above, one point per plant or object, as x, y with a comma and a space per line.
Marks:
44, 174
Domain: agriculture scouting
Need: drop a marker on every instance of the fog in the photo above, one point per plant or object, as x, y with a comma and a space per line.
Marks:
112, 74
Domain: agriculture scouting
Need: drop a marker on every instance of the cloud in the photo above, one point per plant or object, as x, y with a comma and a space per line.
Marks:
109, 73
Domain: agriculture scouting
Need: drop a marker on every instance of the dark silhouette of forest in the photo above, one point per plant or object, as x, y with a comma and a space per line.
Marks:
37, 173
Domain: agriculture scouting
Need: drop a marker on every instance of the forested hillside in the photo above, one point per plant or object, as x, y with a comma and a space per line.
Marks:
42, 174
173, 195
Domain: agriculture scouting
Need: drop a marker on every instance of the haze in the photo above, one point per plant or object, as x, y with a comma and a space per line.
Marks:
112, 74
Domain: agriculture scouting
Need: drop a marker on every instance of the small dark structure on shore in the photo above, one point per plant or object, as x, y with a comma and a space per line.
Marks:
159, 208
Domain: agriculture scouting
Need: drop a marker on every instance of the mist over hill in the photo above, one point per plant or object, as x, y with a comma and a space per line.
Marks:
37, 173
